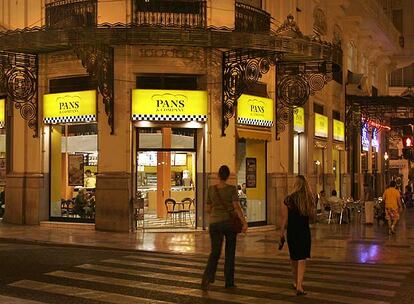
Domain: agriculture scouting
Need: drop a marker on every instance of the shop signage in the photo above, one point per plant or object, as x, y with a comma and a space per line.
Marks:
375, 142
255, 111
169, 105
69, 107
251, 174
299, 120
339, 130
365, 137
2, 111
321, 125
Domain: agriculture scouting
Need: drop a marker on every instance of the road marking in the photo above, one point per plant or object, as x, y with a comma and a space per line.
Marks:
84, 293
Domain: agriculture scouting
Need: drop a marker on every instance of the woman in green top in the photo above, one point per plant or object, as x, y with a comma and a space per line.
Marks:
221, 200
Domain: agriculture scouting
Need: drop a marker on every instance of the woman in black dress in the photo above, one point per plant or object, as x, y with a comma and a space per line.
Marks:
297, 208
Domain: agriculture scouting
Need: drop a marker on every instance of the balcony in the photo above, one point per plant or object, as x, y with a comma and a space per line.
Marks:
71, 13
251, 19
170, 13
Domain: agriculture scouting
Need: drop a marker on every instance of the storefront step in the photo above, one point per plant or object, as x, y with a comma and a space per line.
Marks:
67, 225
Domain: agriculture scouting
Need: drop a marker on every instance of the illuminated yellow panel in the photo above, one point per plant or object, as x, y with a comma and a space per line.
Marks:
2, 110
299, 120
339, 130
321, 125
253, 110
69, 107
169, 105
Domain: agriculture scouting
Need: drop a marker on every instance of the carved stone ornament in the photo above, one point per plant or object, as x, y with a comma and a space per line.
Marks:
19, 81
289, 28
98, 60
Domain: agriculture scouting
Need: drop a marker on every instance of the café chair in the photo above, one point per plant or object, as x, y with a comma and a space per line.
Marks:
186, 204
172, 211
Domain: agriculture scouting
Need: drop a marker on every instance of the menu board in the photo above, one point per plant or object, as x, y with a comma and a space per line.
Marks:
251, 172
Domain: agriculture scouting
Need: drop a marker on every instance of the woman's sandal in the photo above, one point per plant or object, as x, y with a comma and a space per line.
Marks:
300, 292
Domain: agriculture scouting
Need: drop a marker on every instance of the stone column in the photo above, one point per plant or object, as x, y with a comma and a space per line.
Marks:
26, 185
114, 182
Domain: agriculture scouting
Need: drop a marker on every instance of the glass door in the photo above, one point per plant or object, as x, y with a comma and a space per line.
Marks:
165, 179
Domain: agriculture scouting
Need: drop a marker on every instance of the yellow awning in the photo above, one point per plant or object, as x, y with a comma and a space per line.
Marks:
259, 134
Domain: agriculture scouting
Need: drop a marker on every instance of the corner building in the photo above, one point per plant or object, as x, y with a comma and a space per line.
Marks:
120, 115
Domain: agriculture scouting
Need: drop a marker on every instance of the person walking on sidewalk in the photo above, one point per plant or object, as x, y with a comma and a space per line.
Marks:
392, 200
221, 200
297, 208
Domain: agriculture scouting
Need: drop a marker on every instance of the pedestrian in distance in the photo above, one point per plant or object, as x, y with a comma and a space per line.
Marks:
222, 204
297, 209
393, 206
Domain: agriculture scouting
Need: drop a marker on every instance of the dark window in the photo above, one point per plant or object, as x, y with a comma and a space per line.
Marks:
336, 115
317, 108
72, 84
167, 82
256, 89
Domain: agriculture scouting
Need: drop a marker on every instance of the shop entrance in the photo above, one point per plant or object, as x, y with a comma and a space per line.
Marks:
166, 161
251, 179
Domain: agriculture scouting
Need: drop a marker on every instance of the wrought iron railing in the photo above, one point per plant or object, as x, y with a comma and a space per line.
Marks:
170, 13
251, 19
71, 13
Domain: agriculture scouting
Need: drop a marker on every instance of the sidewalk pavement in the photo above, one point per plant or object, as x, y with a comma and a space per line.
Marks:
353, 242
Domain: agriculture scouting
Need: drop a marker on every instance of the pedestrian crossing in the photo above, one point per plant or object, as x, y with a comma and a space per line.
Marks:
153, 277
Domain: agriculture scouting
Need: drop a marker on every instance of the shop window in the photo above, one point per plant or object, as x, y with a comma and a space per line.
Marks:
73, 167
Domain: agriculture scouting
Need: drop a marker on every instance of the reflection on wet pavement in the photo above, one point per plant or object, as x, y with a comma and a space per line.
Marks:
353, 242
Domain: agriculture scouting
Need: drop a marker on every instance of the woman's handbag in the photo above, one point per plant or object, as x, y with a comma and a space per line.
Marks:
235, 221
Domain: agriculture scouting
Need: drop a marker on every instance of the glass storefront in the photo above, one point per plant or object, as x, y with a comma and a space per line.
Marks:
73, 169
73, 158
166, 177
251, 179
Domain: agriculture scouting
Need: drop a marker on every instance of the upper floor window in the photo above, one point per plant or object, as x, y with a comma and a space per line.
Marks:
71, 13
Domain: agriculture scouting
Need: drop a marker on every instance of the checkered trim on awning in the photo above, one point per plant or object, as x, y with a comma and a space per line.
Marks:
80, 118
254, 122
169, 117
